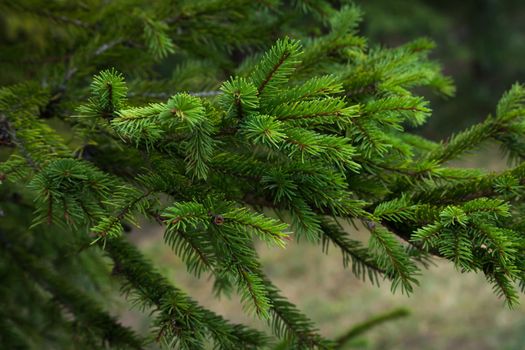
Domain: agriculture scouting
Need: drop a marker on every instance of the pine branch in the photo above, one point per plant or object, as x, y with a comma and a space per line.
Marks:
288, 323
391, 256
365, 326
363, 263
276, 66
174, 306
80, 305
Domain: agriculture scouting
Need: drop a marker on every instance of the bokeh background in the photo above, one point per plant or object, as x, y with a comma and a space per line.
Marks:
481, 44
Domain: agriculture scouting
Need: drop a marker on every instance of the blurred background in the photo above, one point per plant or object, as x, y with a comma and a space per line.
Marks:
481, 44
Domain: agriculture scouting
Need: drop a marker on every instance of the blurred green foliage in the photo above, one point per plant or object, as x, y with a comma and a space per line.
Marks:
481, 44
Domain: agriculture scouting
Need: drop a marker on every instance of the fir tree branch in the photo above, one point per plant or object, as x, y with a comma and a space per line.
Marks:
365, 326
363, 263
23, 150
82, 306
156, 291
288, 323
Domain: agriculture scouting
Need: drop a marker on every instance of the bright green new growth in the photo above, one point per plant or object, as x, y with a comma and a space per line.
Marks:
298, 140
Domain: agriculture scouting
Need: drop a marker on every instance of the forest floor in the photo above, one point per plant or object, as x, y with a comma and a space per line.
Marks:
449, 310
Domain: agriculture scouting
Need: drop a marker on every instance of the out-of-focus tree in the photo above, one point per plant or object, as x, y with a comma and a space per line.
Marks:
481, 43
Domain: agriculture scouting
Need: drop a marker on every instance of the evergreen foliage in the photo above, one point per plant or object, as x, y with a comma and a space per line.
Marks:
236, 147
478, 41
